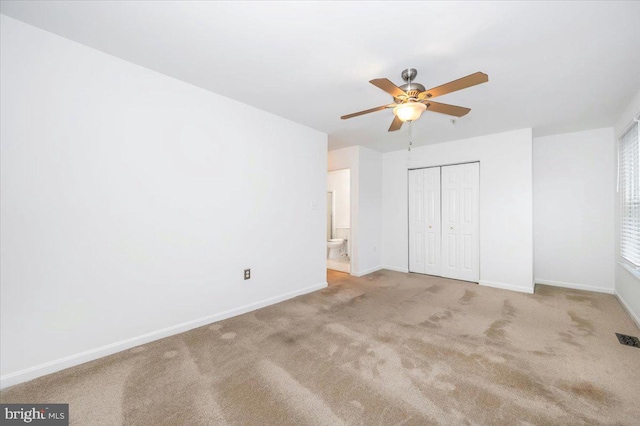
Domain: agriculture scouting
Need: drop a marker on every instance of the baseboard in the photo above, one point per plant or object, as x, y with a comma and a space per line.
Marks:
575, 286
93, 354
366, 271
506, 286
393, 268
627, 308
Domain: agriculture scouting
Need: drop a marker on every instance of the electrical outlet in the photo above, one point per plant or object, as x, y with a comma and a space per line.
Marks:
247, 274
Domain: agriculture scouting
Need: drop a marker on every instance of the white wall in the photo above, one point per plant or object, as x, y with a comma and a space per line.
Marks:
339, 182
366, 204
573, 216
132, 202
627, 283
370, 211
506, 222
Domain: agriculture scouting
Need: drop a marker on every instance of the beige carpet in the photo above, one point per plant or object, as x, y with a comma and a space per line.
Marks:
385, 349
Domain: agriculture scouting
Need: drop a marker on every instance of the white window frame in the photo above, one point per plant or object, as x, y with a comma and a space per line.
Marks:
629, 198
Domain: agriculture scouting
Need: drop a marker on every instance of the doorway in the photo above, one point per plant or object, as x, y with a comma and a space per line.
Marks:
329, 215
339, 220
444, 226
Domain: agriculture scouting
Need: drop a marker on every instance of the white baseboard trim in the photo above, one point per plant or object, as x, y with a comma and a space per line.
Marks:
393, 268
366, 271
506, 286
575, 286
93, 354
633, 315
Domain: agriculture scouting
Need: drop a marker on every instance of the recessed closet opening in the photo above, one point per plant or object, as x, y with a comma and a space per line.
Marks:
444, 226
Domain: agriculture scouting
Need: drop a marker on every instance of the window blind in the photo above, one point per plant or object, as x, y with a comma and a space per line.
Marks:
629, 164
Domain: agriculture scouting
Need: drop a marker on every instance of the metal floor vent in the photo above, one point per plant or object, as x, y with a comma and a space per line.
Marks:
628, 340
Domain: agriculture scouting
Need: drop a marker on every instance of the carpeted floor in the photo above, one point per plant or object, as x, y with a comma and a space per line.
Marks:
385, 349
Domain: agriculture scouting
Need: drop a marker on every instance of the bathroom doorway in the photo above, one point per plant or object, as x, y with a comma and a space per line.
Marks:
339, 220
329, 215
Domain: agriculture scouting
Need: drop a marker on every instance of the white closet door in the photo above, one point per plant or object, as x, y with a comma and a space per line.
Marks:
460, 222
432, 220
469, 254
424, 221
450, 198
416, 221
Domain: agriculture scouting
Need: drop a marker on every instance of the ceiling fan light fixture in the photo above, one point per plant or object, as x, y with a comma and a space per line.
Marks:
410, 111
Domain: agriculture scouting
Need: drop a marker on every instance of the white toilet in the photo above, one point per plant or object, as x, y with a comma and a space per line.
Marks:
335, 247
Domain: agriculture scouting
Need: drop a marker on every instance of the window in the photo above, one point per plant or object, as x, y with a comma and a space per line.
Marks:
629, 175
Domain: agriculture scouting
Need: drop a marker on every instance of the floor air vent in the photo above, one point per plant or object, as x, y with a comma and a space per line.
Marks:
628, 340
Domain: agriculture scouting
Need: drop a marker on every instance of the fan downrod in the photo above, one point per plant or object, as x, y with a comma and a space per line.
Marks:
411, 87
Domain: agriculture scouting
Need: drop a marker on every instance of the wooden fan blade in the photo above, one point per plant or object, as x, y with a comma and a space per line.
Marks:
452, 86
388, 86
367, 111
446, 108
395, 125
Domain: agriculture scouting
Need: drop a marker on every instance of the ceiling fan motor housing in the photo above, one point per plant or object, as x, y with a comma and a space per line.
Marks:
411, 88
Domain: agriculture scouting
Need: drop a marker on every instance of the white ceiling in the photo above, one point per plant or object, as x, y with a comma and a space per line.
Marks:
554, 66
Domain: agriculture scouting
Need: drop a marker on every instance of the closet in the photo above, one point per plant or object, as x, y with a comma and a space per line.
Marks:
444, 221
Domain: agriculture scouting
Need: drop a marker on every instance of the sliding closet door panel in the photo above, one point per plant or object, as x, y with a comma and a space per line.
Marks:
432, 220
450, 213
460, 226
416, 221
469, 254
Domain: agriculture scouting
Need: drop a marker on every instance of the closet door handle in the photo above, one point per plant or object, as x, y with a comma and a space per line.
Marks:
451, 227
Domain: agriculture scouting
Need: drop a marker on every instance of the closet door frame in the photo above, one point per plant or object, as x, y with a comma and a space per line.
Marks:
477, 197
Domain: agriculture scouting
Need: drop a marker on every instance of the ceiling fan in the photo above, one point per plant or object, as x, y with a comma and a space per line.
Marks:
411, 99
